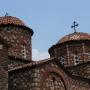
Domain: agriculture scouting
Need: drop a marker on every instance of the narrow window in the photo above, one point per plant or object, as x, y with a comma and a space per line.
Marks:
1, 46
76, 59
24, 51
62, 59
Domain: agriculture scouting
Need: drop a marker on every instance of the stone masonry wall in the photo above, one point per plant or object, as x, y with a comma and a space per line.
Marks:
68, 50
47, 76
81, 70
77, 84
24, 80
31, 79
16, 62
3, 67
20, 40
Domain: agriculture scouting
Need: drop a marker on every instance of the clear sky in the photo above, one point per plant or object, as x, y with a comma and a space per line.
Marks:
50, 19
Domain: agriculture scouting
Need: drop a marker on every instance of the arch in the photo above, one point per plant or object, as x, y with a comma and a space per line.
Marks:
57, 71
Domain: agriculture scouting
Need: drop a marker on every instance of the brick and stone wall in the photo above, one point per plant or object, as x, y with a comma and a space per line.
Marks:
14, 62
27, 79
3, 66
69, 49
20, 40
46, 76
33, 78
82, 70
77, 84
53, 82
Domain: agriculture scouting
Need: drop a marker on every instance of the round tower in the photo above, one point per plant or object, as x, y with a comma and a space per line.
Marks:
72, 49
18, 35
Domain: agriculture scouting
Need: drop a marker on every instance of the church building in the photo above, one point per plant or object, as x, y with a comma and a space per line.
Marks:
68, 67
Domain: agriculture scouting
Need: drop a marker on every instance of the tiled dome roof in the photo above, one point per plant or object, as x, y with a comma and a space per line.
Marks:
74, 37
11, 20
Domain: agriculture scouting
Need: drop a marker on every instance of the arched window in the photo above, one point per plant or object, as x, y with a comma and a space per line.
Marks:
76, 59
62, 60
24, 55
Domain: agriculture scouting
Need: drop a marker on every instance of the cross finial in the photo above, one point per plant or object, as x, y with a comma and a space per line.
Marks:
74, 26
6, 14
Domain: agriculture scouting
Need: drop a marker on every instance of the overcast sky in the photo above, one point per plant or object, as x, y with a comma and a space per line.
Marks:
50, 19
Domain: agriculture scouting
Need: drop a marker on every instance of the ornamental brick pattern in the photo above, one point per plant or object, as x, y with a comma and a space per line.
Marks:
11, 20
17, 38
60, 72
67, 50
44, 76
82, 70
74, 36
53, 82
32, 79
3, 66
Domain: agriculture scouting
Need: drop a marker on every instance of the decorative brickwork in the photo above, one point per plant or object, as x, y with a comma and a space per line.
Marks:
53, 82
69, 49
68, 67
45, 76
82, 70
11, 20
32, 79
77, 84
17, 37
13, 62
3, 66
74, 37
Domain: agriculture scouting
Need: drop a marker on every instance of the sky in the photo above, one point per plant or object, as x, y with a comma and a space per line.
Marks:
49, 19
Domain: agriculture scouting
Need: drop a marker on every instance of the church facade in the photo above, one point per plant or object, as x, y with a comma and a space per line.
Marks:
68, 67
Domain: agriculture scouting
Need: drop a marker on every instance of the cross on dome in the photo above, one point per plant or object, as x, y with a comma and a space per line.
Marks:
6, 14
74, 26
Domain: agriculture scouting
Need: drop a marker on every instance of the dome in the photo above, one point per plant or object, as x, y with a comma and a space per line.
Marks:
11, 20
74, 37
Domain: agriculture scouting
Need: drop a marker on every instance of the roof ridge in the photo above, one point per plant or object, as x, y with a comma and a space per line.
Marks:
31, 64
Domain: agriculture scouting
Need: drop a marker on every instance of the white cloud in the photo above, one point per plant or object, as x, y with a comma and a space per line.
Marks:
37, 55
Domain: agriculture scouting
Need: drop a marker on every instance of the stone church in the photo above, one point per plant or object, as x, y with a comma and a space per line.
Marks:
68, 67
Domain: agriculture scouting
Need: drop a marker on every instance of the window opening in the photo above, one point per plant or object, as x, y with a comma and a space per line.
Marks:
76, 59
62, 59
24, 51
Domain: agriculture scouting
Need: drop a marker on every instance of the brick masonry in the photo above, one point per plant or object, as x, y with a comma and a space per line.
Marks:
3, 66
17, 37
68, 50
48, 76
19, 72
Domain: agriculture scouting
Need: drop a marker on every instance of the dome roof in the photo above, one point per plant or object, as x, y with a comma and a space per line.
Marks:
74, 37
11, 20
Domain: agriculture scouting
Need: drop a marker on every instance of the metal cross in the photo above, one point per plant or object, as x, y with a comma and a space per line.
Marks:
74, 26
6, 14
